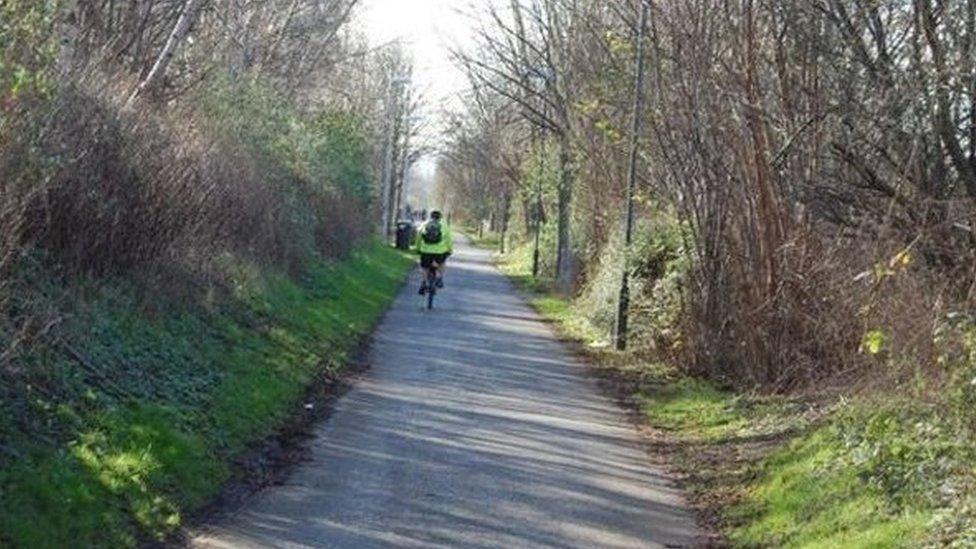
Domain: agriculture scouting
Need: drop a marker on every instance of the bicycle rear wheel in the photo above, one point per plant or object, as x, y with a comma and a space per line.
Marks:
431, 288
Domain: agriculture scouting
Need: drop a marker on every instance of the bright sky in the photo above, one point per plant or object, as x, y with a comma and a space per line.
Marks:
428, 29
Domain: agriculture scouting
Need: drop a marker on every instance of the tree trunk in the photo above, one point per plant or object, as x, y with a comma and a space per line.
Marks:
190, 11
506, 216
68, 37
945, 125
401, 178
564, 248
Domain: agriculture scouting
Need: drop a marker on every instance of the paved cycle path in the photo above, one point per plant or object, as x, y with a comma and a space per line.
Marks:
474, 428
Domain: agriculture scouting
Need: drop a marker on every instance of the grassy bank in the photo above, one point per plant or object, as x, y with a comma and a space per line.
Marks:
487, 239
137, 406
832, 469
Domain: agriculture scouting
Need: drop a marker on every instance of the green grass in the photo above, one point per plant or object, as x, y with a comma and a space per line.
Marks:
488, 240
517, 265
820, 487
810, 495
552, 305
140, 430
571, 323
694, 410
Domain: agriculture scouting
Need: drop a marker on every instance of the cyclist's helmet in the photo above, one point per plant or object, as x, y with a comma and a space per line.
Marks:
436, 215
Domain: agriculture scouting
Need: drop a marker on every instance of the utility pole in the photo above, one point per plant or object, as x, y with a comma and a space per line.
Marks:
623, 303
538, 212
541, 172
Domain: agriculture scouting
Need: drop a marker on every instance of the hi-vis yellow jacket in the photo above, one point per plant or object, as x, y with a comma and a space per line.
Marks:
445, 246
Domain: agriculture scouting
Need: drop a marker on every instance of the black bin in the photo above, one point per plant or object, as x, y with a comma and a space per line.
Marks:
404, 233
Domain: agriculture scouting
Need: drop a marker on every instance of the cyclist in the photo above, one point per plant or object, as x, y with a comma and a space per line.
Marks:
435, 244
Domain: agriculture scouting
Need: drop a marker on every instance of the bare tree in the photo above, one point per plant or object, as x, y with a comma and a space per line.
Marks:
776, 132
187, 17
523, 60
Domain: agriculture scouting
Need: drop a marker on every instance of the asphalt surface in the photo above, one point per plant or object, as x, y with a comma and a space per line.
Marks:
474, 428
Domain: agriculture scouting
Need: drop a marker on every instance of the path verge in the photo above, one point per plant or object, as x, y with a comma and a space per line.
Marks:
777, 470
154, 407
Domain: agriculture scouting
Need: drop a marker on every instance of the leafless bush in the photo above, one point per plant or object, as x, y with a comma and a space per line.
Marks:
793, 148
123, 188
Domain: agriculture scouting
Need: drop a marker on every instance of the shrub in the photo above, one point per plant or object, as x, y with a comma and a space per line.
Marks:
659, 267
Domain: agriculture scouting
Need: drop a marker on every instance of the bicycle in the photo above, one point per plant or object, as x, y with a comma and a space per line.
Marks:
431, 283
